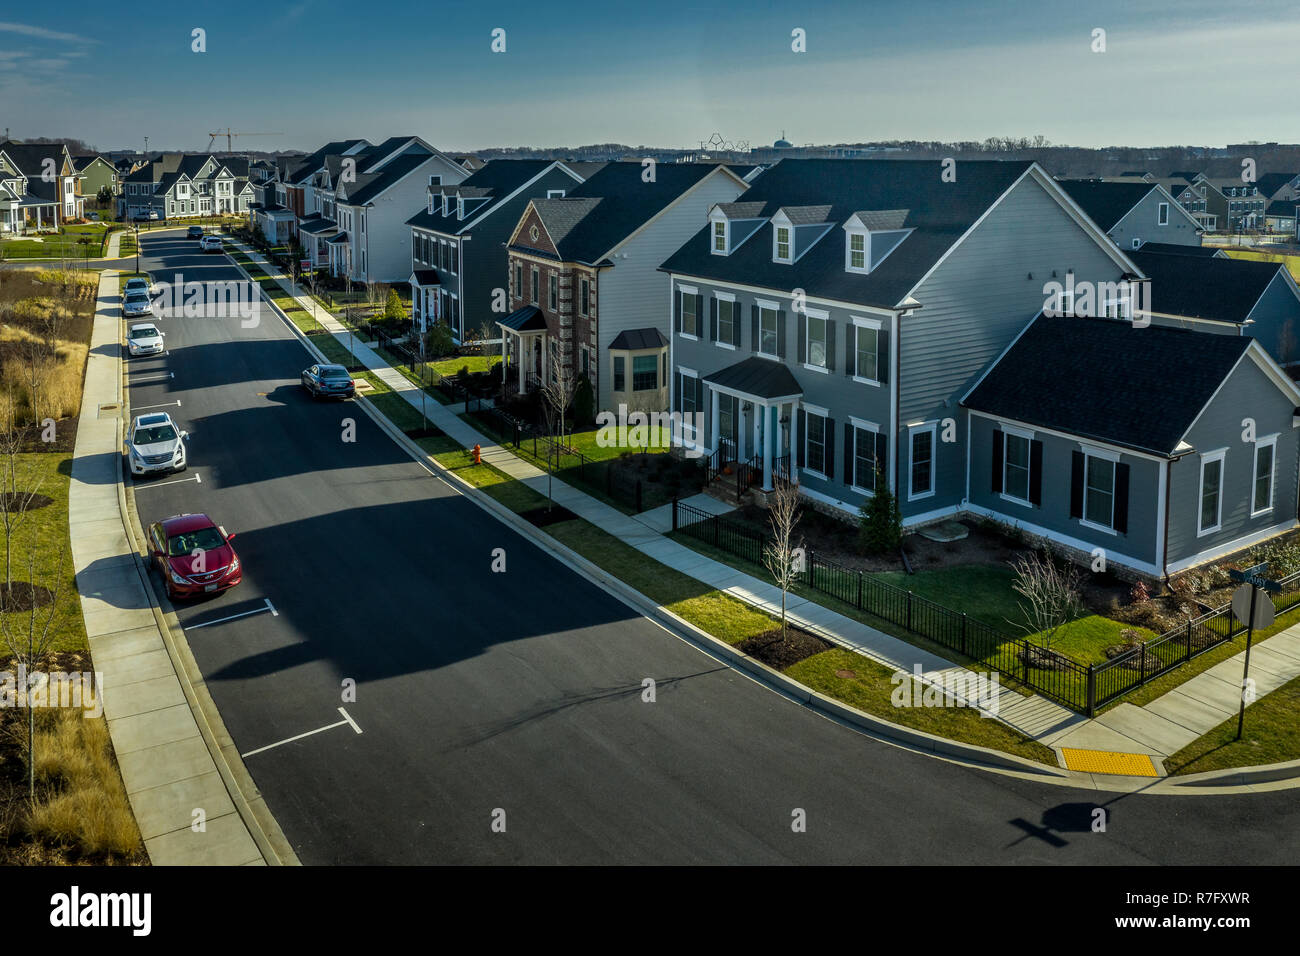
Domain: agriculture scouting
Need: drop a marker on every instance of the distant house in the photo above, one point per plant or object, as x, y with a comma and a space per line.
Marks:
1135, 213
97, 173
50, 176
1233, 296
459, 273
183, 185
585, 283
1280, 216
1279, 185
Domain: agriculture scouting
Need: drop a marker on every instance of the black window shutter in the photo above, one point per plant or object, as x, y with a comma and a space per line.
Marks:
830, 344
1035, 473
803, 437
735, 324
850, 453
850, 347
753, 328
1121, 498
699, 315
830, 448
713, 319
996, 477
882, 455
677, 312
780, 334
882, 356
1076, 485
801, 330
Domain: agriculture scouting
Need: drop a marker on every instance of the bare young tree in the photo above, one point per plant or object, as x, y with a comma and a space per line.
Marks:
1050, 588
781, 554
557, 396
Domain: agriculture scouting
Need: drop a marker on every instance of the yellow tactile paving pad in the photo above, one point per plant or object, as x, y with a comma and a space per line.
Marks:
1107, 761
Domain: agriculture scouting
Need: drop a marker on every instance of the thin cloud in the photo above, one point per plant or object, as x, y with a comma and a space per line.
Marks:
43, 34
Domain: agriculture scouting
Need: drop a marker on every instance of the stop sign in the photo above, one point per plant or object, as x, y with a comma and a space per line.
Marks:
1241, 608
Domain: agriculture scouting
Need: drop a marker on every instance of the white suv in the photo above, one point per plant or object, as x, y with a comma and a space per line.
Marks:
211, 244
155, 444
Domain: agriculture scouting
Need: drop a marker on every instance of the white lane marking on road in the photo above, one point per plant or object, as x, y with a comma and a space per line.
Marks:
274, 612
349, 720
223, 620
162, 405
158, 484
153, 381
319, 730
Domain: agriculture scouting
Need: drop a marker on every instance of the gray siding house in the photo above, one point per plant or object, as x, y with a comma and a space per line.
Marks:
1133, 214
832, 324
1064, 442
1227, 296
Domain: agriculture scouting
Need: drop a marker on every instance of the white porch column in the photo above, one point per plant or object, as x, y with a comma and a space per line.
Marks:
767, 447
524, 360
505, 366
713, 420
755, 425
794, 441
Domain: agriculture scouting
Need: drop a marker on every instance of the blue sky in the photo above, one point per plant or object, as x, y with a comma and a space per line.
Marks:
653, 73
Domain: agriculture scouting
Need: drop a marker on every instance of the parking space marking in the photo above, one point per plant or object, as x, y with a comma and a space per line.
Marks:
162, 405
260, 610
154, 381
158, 484
279, 743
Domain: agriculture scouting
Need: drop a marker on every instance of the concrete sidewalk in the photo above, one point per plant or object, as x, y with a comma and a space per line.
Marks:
166, 764
1033, 716
114, 245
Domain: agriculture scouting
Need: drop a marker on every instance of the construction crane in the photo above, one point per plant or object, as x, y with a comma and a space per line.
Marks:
212, 137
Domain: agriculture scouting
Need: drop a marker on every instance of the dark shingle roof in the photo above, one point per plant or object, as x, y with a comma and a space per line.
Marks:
1204, 288
1281, 207
760, 377
370, 185
633, 339
1270, 183
1139, 388
426, 276
741, 210
612, 204
527, 319
938, 212
1106, 203
1173, 249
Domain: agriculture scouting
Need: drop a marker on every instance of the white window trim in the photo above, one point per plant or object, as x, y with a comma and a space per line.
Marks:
735, 317
1103, 454
774, 307
1270, 441
1162, 214
860, 424
1220, 455
864, 322
824, 414
866, 251
1028, 436
726, 237
776, 232
689, 436
912, 432
822, 316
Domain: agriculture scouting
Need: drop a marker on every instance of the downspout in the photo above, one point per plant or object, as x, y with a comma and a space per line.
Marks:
1169, 493
897, 360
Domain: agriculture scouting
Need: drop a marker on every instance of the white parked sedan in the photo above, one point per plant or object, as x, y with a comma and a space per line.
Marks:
155, 444
136, 285
144, 339
211, 244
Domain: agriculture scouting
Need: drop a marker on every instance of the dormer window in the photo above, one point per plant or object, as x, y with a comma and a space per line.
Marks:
781, 244
555, 194
460, 208
857, 252
446, 205
720, 237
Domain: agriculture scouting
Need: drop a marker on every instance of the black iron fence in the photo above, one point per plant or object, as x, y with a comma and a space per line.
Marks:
1081, 687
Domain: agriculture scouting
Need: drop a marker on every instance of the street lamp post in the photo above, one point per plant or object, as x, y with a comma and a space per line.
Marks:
137, 247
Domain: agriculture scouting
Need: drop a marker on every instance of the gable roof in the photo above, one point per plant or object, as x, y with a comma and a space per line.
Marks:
1205, 288
370, 185
1144, 387
495, 181
603, 211
297, 171
938, 213
1281, 207
1106, 203
1270, 183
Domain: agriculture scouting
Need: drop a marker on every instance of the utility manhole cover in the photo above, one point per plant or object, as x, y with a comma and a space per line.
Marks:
109, 411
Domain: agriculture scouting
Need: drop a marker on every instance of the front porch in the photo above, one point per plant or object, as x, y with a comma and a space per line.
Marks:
753, 425
28, 214
425, 286
523, 348
340, 255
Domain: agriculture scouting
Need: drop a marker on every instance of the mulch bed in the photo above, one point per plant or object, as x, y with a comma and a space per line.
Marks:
541, 517
798, 644
65, 438
15, 501
23, 596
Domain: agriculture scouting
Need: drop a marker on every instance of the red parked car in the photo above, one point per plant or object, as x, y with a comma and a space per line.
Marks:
193, 555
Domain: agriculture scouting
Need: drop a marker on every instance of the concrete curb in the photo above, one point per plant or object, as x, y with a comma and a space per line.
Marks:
1240, 776
266, 834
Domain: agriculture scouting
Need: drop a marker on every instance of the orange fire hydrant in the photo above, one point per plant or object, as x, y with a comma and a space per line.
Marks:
478, 454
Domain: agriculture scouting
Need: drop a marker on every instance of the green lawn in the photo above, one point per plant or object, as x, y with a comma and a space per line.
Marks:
1268, 736
984, 591
65, 244
42, 537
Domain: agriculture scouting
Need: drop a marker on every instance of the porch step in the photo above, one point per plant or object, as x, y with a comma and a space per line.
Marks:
723, 488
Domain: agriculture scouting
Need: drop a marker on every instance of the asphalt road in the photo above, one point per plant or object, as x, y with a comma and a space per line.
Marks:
521, 691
